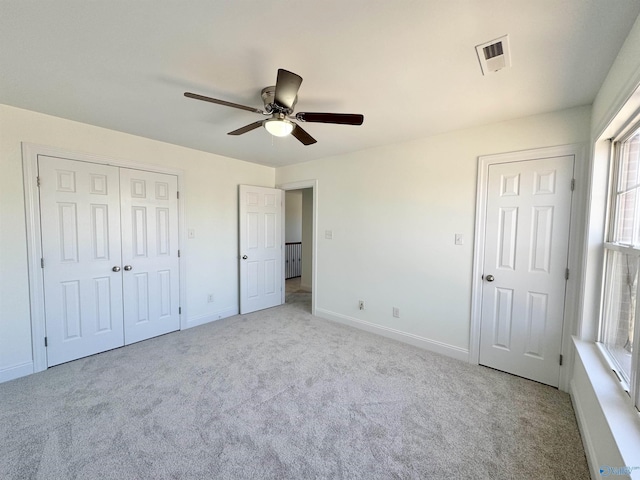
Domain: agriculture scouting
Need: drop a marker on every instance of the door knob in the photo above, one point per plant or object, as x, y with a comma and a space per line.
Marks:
244, 257
490, 278
128, 267
116, 268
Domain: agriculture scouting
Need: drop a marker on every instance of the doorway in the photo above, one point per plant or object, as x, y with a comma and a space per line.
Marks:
298, 240
300, 213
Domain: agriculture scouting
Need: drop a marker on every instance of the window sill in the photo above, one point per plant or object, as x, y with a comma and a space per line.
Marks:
619, 414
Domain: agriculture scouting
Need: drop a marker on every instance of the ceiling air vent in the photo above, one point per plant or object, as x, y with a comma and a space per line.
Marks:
494, 55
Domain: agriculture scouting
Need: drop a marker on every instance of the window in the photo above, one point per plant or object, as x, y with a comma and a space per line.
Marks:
619, 326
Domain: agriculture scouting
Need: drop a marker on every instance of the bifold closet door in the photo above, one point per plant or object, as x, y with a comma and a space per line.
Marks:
149, 253
80, 221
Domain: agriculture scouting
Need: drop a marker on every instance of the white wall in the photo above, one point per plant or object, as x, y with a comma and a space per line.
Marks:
210, 194
393, 212
293, 216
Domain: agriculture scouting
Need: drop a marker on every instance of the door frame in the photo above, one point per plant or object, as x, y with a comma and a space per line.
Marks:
576, 247
301, 185
30, 153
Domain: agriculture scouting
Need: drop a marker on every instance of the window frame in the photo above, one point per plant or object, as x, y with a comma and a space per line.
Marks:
632, 386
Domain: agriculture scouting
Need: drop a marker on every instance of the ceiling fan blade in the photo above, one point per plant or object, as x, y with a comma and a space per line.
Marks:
340, 118
222, 102
303, 136
247, 128
287, 86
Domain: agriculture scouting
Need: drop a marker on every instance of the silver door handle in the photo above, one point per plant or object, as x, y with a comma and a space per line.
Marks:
244, 257
490, 278
128, 267
116, 268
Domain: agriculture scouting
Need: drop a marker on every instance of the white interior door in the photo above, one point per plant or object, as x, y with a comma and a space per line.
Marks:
149, 254
260, 248
525, 261
80, 221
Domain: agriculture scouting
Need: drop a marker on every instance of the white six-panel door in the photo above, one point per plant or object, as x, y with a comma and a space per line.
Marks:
80, 220
149, 254
525, 261
110, 253
260, 248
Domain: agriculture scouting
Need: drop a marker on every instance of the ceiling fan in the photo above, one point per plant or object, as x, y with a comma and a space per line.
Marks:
279, 102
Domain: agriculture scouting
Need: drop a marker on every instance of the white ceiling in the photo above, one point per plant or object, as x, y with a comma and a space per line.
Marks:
409, 66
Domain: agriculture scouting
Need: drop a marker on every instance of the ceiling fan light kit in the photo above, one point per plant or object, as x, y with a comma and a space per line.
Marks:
279, 102
278, 127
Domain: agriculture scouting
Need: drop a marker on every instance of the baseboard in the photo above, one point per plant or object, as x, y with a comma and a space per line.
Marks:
411, 339
210, 317
587, 443
16, 371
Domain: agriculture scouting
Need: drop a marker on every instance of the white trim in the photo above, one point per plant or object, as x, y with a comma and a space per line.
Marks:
34, 254
30, 153
587, 443
16, 371
621, 419
210, 317
597, 217
415, 340
575, 239
300, 185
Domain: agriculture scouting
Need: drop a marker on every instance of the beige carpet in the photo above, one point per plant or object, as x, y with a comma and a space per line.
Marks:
281, 394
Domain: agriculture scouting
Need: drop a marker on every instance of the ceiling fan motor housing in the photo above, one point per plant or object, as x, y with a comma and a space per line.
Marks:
268, 95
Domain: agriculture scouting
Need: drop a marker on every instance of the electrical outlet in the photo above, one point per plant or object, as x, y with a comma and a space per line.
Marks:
361, 304
459, 239
210, 298
396, 312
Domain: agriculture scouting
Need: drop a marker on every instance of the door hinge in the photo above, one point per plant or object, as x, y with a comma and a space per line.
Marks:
178, 253
178, 195
42, 263
566, 274
560, 359
573, 184
179, 310
38, 181
45, 342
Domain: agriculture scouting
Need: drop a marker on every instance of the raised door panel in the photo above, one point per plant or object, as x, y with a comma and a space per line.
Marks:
508, 229
80, 221
541, 236
502, 318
